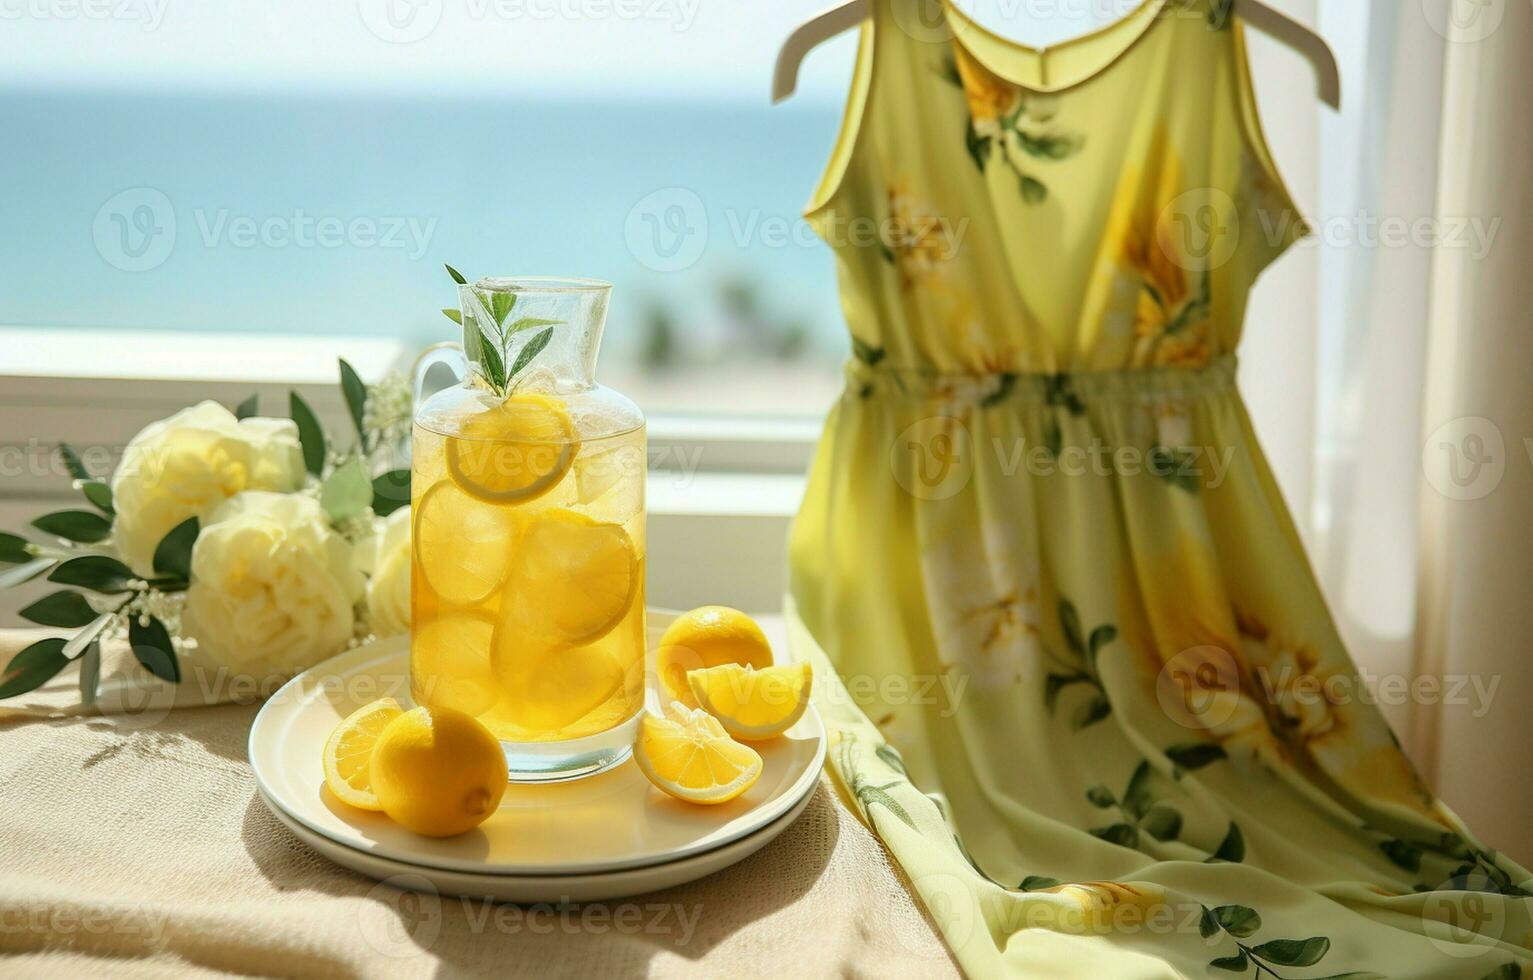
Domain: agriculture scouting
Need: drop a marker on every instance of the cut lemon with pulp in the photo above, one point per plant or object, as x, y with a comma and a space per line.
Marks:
464, 546
689, 755
753, 704
573, 579
514, 452
349, 753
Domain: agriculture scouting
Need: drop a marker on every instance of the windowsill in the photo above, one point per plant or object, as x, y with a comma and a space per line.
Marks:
721, 489
212, 358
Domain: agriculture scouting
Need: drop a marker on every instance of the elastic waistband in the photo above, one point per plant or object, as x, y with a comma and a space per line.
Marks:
869, 380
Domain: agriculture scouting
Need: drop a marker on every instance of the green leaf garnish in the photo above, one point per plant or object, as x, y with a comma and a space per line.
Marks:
528, 322
72, 462
456, 316
82, 526
97, 573
90, 674
173, 555
457, 276
391, 491
531, 349
356, 397
347, 492
248, 408
500, 305
152, 647
490, 360
99, 494
310, 435
13, 549
33, 667
64, 609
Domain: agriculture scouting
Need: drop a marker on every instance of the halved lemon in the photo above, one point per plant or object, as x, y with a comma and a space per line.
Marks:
572, 580
349, 753
514, 452
689, 755
464, 546
753, 704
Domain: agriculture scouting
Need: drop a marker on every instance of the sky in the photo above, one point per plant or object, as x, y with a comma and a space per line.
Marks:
716, 50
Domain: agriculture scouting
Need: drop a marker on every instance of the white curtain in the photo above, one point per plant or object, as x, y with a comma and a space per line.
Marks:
1426, 233
1477, 555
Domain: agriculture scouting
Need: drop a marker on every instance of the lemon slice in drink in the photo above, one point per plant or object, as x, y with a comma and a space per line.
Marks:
572, 579
753, 704
514, 452
689, 755
348, 753
464, 546
450, 663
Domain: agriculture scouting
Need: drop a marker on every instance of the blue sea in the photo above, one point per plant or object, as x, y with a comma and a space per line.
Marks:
251, 212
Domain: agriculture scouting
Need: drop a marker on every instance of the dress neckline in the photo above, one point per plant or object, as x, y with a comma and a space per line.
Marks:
1138, 25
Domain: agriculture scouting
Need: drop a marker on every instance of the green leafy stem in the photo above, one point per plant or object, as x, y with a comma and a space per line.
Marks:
1081, 670
1240, 922
493, 339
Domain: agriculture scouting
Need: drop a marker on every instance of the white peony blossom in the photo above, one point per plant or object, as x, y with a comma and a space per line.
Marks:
188, 465
388, 588
273, 587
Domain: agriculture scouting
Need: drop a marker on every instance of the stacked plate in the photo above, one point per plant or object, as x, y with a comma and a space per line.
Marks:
604, 837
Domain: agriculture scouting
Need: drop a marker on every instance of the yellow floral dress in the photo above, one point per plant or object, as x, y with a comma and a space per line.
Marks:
1089, 693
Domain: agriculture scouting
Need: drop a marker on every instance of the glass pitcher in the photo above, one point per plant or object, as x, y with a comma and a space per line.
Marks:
527, 551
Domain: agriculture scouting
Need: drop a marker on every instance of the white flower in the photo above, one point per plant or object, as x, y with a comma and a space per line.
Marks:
187, 465
388, 588
272, 586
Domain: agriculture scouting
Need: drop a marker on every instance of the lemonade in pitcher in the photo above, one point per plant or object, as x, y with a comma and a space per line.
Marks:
527, 496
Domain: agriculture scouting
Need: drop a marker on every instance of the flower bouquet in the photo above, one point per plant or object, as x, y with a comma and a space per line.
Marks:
225, 542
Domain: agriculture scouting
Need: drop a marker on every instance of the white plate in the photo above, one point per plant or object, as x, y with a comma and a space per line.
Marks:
556, 889
604, 823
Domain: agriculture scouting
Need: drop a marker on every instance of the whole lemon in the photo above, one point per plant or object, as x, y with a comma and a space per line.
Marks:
707, 637
438, 771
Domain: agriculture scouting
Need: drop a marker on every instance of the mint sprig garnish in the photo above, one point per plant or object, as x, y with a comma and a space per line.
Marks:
493, 335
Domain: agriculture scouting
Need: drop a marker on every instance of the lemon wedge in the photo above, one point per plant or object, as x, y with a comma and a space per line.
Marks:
514, 452
689, 755
349, 753
753, 704
707, 637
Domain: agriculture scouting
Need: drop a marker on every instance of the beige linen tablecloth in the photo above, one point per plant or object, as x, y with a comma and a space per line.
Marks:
139, 848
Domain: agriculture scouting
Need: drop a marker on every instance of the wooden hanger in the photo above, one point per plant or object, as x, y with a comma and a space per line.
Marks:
1275, 24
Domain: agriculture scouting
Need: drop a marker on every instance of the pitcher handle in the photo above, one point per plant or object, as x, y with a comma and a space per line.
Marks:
448, 352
